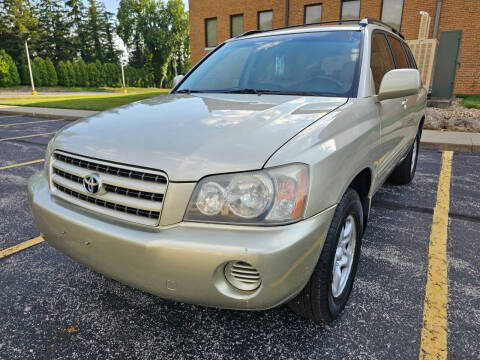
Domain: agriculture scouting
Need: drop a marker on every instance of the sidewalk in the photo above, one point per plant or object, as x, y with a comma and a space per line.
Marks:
66, 114
450, 140
431, 139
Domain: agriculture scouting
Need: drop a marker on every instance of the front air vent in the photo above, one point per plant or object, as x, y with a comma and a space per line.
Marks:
242, 275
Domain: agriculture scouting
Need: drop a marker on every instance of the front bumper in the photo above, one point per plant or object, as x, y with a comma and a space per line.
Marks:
184, 262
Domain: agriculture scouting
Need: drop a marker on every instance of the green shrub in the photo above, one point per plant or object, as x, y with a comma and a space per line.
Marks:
81, 73
71, 79
113, 75
8, 70
101, 73
52, 78
25, 74
62, 73
39, 70
93, 75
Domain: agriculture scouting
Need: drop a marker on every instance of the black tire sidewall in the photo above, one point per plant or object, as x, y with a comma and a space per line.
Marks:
352, 206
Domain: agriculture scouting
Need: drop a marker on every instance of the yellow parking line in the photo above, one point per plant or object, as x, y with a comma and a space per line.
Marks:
434, 330
31, 122
28, 136
22, 164
19, 247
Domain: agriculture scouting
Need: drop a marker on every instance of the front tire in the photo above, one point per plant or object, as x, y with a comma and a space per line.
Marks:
405, 171
327, 292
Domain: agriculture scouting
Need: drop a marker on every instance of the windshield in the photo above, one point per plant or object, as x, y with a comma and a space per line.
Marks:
320, 64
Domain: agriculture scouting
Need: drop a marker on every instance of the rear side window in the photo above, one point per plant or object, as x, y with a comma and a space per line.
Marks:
400, 56
411, 58
381, 60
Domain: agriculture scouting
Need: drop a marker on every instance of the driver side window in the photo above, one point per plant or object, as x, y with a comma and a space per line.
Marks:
381, 60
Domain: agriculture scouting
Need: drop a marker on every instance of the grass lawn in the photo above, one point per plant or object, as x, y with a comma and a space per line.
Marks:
471, 101
102, 101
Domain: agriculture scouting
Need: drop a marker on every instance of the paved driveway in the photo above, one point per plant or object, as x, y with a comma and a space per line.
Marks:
53, 307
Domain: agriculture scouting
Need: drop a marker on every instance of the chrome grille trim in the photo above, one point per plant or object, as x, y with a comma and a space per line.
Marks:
123, 195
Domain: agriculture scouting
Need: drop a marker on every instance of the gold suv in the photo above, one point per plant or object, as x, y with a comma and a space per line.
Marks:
250, 184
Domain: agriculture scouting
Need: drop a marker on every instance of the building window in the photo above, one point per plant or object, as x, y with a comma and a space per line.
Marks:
236, 25
265, 20
392, 13
313, 14
211, 32
350, 9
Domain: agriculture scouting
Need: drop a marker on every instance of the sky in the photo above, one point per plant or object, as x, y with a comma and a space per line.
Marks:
112, 5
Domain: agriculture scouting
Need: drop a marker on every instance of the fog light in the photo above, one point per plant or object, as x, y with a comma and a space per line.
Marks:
242, 275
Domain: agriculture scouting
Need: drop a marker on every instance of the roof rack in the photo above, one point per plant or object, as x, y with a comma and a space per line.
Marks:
361, 22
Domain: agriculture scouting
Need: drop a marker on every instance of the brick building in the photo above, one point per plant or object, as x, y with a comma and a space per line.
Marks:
213, 21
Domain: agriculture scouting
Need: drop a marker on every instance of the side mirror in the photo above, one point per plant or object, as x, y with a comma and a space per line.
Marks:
177, 79
399, 83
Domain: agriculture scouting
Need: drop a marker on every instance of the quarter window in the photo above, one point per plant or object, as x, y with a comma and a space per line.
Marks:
211, 32
392, 13
400, 57
350, 9
313, 14
236, 25
411, 58
265, 20
381, 60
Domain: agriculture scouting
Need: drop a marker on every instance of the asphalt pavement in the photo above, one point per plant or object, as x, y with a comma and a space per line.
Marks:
55, 308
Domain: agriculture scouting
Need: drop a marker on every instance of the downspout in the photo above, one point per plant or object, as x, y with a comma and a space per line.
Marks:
287, 11
437, 18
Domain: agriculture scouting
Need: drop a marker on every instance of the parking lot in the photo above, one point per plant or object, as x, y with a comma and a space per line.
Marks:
53, 307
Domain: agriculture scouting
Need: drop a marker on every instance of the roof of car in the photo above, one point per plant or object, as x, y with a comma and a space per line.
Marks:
334, 25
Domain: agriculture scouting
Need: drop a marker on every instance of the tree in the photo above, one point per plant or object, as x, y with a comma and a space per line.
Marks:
55, 39
52, 79
25, 74
101, 73
112, 75
156, 33
94, 31
71, 80
93, 75
62, 74
39, 70
76, 14
81, 74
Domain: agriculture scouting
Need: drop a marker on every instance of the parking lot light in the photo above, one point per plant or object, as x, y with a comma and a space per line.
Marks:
34, 92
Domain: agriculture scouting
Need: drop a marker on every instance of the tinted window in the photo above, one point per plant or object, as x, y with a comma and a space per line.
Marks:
236, 25
321, 63
211, 32
350, 9
265, 20
402, 62
392, 13
313, 14
381, 61
411, 58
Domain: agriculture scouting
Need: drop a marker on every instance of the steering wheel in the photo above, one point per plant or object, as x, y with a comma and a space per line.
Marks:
330, 79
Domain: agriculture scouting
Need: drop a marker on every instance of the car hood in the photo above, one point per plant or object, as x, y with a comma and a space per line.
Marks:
190, 136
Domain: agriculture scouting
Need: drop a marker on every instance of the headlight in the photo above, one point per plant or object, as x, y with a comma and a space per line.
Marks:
267, 197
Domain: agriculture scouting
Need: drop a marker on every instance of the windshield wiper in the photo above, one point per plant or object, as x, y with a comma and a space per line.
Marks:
186, 91
251, 91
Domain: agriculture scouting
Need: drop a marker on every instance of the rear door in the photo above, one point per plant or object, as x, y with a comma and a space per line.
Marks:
391, 111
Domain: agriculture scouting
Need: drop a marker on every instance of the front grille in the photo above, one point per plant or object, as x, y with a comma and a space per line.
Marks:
127, 193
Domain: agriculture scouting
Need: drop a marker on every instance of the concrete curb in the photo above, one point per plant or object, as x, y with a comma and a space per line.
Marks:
431, 139
66, 114
450, 140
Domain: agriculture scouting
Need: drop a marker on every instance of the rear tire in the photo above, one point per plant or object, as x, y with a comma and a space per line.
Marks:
405, 171
327, 292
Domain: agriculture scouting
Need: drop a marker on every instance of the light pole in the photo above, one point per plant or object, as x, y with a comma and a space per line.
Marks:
124, 90
34, 92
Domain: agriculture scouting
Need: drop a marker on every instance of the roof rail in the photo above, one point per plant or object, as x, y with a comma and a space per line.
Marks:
366, 21
362, 22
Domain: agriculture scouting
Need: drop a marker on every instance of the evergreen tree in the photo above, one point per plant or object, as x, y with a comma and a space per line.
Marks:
25, 74
62, 74
93, 75
76, 14
52, 78
55, 35
39, 70
81, 73
112, 75
71, 79
94, 31
101, 73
